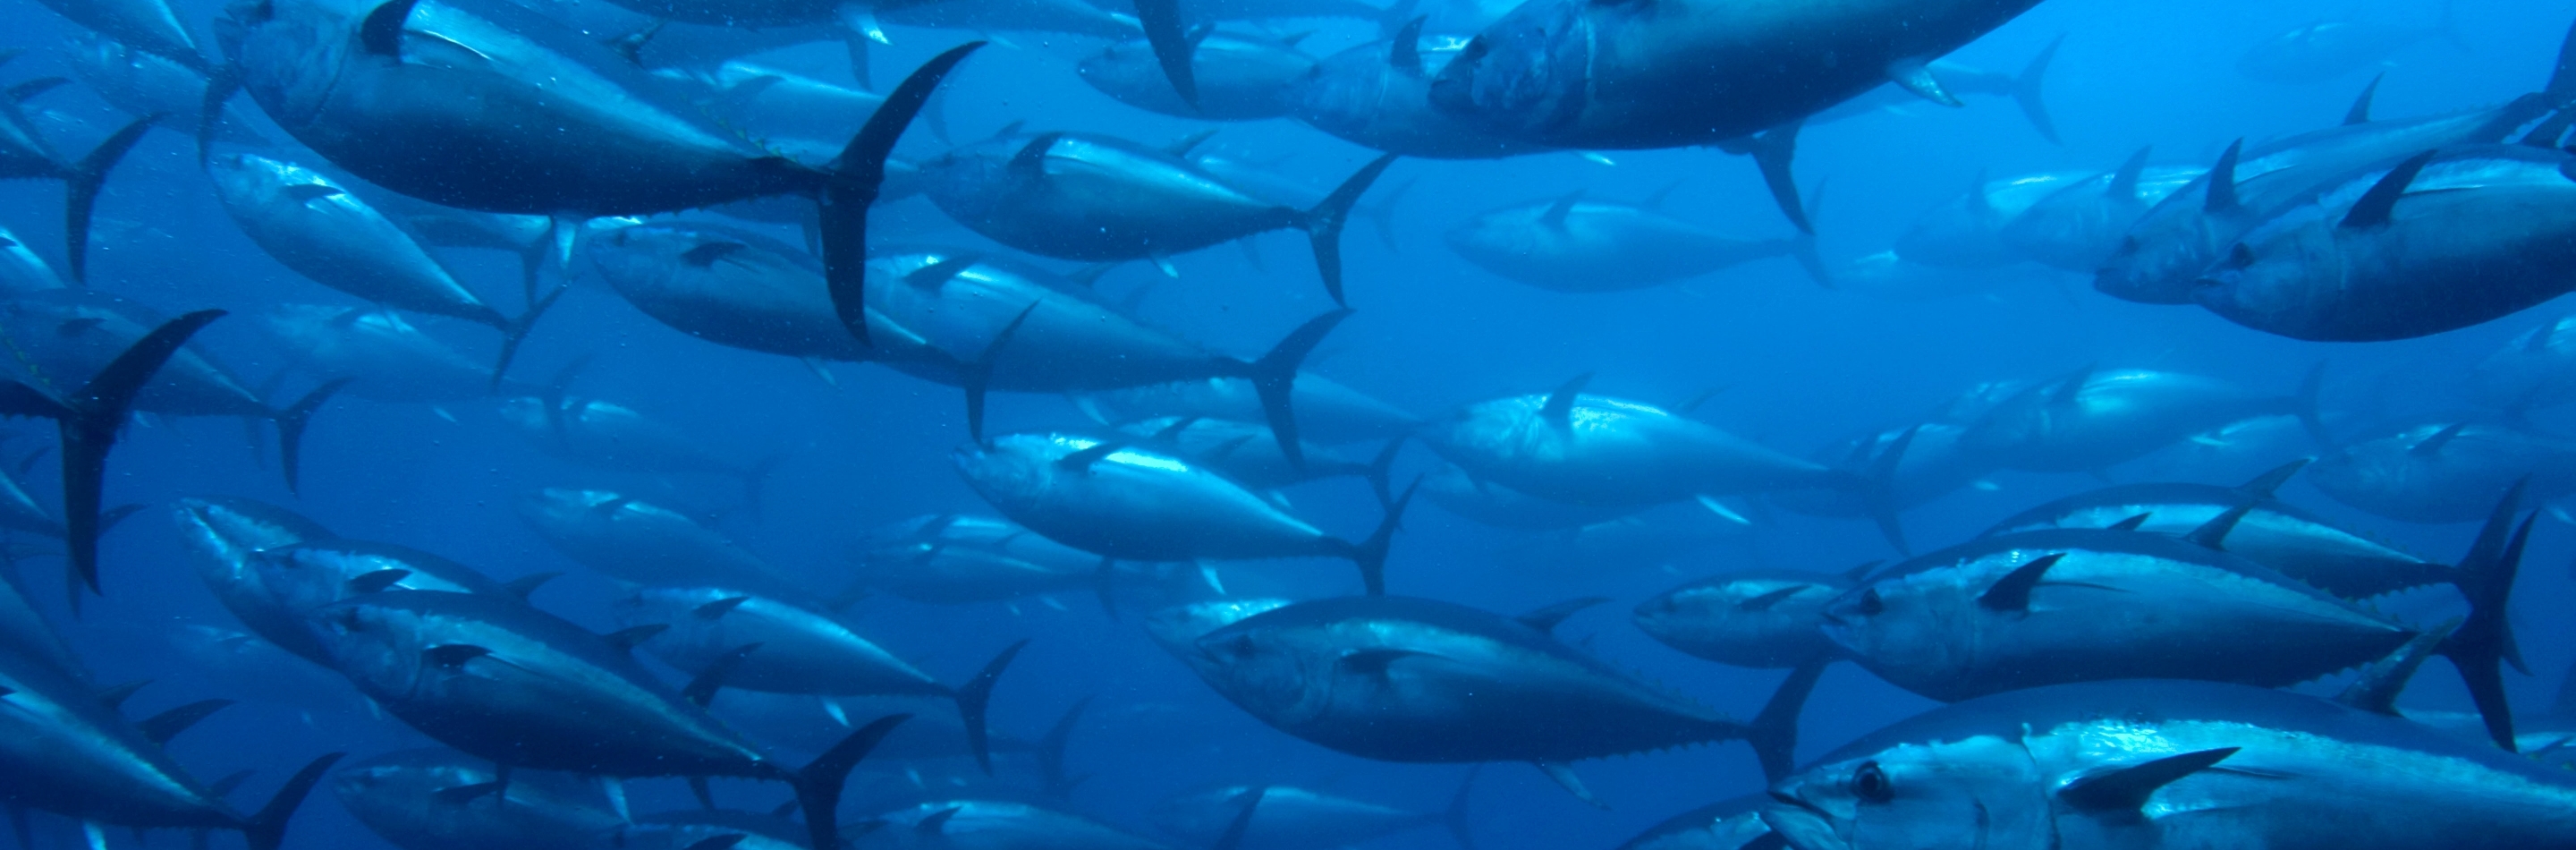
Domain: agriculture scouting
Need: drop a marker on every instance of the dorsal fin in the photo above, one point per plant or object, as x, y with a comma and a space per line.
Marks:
382, 31
610, 507
1765, 601
1374, 662
1553, 218
705, 256
1241, 824
307, 192
2132, 523
2012, 592
2213, 534
2433, 445
2360, 112
2265, 484
2125, 790
2222, 181
115, 697
1082, 460
935, 275
1180, 148
1171, 434
462, 794
1545, 619
1559, 409
2377, 205
527, 584
376, 582
932, 823
628, 639
1656, 200
160, 728
2379, 684
454, 655
1404, 52
2124, 182
717, 609
702, 690
2070, 389
1030, 162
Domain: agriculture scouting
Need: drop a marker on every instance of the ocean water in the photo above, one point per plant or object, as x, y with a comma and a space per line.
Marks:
1795, 366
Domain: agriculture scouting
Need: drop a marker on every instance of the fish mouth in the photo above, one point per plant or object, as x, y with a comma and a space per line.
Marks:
1802, 824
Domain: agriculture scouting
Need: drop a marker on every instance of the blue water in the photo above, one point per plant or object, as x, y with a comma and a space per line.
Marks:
1800, 367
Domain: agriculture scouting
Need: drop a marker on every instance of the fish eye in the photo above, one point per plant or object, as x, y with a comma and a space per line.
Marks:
1241, 646
1871, 784
1870, 606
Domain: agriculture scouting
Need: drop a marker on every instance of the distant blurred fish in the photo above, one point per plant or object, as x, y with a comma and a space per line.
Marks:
1534, 699
1967, 232
381, 355
1327, 412
2079, 226
636, 541
2443, 472
1293, 818
433, 799
948, 559
1131, 502
2028, 89
1082, 196
1748, 618
1239, 77
2537, 369
143, 83
1572, 244
2096, 418
2327, 49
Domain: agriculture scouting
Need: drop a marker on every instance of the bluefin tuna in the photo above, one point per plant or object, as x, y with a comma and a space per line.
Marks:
1574, 244
502, 681
2166, 765
2441, 241
1081, 196
314, 226
1385, 678
1131, 503
434, 798
2095, 418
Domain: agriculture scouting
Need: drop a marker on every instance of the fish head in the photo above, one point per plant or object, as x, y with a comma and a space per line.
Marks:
2158, 259
1347, 91
1973, 792
1179, 627
1280, 674
969, 181
291, 55
1914, 621
1760, 615
1013, 466
381, 648
227, 528
1527, 74
1122, 67
2267, 279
